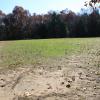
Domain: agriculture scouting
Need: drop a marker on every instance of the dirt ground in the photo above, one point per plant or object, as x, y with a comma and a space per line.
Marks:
67, 78
75, 77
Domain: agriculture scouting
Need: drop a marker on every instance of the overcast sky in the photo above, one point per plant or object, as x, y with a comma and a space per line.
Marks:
42, 6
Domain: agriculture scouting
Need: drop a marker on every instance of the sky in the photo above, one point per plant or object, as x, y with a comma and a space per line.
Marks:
41, 6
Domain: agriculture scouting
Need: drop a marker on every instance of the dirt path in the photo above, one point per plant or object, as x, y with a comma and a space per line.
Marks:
61, 79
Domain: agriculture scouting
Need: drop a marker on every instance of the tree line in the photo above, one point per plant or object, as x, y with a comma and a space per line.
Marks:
20, 24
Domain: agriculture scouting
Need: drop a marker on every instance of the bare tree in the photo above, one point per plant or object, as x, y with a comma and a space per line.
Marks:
93, 4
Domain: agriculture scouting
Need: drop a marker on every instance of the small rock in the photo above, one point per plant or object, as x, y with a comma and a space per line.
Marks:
94, 87
68, 85
40, 73
2, 85
62, 83
69, 81
73, 78
80, 73
91, 72
98, 80
49, 87
38, 99
97, 73
2, 79
84, 89
94, 94
88, 75
32, 89
27, 94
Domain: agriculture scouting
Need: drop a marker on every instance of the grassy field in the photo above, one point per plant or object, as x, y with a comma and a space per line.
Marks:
23, 52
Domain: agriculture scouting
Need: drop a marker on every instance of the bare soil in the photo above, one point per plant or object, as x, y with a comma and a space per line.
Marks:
65, 78
75, 77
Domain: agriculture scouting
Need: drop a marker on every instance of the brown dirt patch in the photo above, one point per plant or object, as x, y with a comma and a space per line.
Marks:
61, 79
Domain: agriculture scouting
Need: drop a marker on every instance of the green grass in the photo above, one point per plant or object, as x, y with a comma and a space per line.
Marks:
28, 51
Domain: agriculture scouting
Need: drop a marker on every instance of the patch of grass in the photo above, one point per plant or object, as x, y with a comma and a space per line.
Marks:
28, 51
